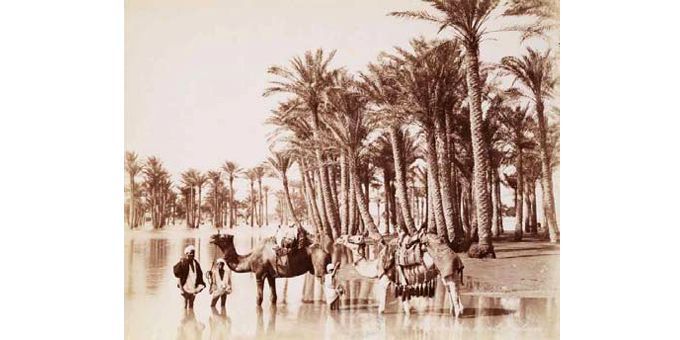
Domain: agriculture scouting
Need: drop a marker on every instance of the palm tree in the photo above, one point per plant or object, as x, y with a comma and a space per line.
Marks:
251, 175
534, 72
381, 86
259, 173
189, 180
215, 180
467, 19
308, 79
200, 182
133, 168
280, 162
430, 79
232, 170
157, 187
266, 204
516, 123
348, 126
547, 13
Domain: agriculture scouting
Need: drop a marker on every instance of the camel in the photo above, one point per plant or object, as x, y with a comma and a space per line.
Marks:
422, 279
262, 261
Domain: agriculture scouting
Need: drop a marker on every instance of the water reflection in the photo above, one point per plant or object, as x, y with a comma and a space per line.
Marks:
153, 307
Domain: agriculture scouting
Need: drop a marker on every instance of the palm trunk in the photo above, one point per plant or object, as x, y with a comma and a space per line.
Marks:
429, 211
326, 195
453, 228
361, 200
260, 204
386, 191
546, 173
532, 198
519, 195
352, 205
344, 192
433, 183
232, 212
199, 207
479, 151
312, 209
322, 205
527, 208
499, 204
495, 228
131, 212
289, 203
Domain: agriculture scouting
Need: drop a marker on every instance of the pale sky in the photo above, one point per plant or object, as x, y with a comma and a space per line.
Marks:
195, 70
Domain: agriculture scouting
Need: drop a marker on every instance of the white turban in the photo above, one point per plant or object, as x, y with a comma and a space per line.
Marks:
189, 249
221, 260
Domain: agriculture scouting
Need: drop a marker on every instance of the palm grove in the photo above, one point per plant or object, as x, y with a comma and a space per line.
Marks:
428, 130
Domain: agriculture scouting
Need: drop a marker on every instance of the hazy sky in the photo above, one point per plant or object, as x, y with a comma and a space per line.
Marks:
195, 70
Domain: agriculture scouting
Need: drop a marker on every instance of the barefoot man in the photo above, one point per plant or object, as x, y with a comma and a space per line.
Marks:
189, 276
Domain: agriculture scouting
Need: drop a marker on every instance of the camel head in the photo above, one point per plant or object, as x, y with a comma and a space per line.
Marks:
222, 240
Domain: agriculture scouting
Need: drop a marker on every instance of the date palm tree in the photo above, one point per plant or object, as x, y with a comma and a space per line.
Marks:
132, 168
467, 19
260, 173
266, 189
251, 175
232, 170
201, 179
516, 123
534, 72
381, 86
347, 125
215, 181
308, 79
280, 162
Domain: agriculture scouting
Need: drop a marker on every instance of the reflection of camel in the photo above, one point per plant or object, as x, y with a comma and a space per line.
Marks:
442, 260
262, 261
190, 328
271, 324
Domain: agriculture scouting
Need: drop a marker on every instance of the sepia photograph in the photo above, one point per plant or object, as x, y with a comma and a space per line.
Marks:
383, 169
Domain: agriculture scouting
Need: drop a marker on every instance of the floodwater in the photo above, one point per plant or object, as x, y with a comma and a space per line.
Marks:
154, 308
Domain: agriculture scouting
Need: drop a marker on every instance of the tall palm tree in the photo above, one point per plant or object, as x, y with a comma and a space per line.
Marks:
266, 189
308, 79
133, 168
157, 186
516, 123
251, 175
280, 162
201, 179
189, 180
260, 173
468, 19
381, 86
430, 78
348, 126
215, 181
534, 72
232, 170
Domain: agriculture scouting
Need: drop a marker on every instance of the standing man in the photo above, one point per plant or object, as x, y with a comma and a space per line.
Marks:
220, 283
189, 276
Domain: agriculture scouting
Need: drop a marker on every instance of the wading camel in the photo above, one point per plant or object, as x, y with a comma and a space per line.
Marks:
262, 261
439, 261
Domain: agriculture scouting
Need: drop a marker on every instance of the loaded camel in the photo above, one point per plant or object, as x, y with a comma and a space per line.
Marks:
416, 279
297, 257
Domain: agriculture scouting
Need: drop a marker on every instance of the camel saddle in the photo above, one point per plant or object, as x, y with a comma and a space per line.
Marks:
410, 255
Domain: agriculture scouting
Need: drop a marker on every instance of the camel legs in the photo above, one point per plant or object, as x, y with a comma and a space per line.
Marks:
272, 287
453, 290
383, 283
260, 288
